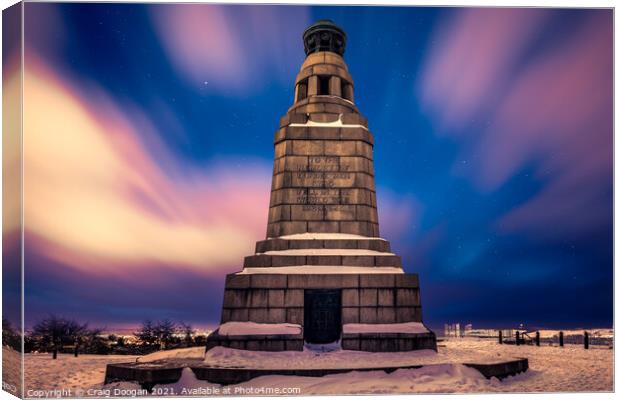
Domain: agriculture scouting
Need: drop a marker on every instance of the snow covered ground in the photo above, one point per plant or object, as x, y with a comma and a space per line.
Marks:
67, 372
307, 359
552, 369
190, 353
548, 333
11, 371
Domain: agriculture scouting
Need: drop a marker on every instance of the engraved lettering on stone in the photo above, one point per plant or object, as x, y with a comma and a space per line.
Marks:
323, 164
309, 178
324, 197
330, 178
302, 197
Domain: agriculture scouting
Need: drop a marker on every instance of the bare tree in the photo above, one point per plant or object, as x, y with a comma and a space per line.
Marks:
160, 333
164, 330
53, 332
9, 336
93, 342
188, 333
146, 334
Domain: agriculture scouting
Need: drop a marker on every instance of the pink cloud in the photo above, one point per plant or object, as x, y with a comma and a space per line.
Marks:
398, 213
553, 113
559, 107
472, 57
11, 152
559, 113
201, 43
96, 197
231, 47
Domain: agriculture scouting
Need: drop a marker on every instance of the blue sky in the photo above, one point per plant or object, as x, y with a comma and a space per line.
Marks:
493, 154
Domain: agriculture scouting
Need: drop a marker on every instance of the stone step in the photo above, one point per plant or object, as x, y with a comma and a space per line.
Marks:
500, 368
276, 244
269, 260
170, 371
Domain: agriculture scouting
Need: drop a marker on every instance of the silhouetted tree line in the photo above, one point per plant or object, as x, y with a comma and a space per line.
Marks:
56, 334
10, 337
165, 335
61, 335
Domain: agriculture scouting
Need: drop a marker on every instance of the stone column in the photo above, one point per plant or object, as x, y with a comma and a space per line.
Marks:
334, 86
302, 91
348, 92
313, 85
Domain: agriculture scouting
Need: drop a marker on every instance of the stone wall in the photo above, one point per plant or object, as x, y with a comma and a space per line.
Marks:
323, 179
257, 342
278, 244
379, 260
323, 175
279, 298
387, 342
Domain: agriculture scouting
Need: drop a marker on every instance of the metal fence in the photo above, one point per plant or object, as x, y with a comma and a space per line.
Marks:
525, 337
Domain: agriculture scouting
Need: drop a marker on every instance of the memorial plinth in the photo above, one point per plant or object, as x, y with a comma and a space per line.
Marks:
323, 266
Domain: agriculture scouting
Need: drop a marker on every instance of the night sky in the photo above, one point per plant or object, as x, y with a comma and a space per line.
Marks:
148, 146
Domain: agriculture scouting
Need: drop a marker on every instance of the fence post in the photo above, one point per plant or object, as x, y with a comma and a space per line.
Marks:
538, 338
561, 339
518, 340
500, 336
586, 342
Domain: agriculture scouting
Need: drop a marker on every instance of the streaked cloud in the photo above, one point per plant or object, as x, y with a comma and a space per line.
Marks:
11, 151
231, 48
398, 213
560, 114
551, 115
472, 57
96, 198
201, 43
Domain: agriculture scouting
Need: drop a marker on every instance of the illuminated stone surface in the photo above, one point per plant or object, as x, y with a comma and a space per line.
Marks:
323, 184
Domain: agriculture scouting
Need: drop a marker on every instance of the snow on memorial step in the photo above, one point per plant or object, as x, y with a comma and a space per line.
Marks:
407, 327
253, 328
321, 269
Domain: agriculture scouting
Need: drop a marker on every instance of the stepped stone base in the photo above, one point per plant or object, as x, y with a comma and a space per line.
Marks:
371, 342
231, 376
364, 298
166, 372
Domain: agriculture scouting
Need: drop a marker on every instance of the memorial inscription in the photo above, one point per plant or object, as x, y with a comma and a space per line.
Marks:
323, 196
323, 163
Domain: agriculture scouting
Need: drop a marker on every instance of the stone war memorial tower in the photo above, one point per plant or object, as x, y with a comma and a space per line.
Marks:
323, 274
